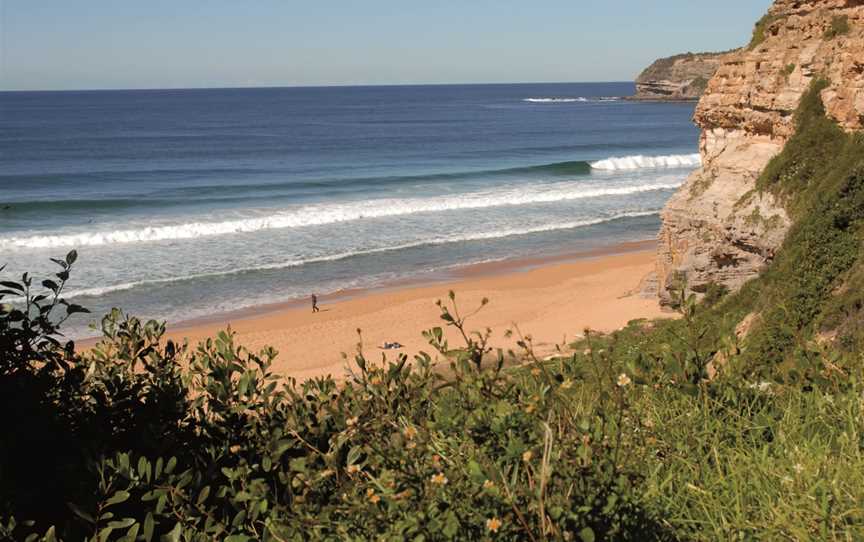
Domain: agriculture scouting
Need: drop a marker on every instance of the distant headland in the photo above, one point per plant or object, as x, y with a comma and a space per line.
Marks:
677, 78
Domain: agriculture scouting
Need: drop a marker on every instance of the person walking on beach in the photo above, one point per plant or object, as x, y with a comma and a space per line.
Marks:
315, 303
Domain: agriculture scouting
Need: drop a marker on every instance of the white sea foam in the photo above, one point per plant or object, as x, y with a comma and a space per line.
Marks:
579, 99
644, 162
322, 214
462, 238
554, 100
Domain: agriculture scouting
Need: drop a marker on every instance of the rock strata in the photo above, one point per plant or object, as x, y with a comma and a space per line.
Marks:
680, 77
717, 228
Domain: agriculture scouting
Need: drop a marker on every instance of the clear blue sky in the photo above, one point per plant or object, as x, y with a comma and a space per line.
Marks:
74, 44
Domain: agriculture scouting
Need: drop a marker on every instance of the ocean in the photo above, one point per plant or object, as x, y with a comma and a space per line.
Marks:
187, 204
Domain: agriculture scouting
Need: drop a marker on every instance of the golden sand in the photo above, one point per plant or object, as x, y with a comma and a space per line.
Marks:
553, 302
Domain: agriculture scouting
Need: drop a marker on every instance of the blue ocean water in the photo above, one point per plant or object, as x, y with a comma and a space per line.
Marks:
190, 203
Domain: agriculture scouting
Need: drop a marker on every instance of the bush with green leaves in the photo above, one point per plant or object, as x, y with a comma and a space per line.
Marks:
760, 30
160, 440
683, 429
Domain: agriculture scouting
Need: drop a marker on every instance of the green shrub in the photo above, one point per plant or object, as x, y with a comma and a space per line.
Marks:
737, 458
819, 175
166, 440
760, 30
666, 430
714, 294
625, 439
808, 154
699, 85
839, 27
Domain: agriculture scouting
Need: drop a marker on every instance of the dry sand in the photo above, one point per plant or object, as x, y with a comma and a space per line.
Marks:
553, 302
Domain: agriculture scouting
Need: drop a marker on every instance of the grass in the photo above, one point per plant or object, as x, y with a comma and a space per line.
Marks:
820, 176
765, 452
760, 466
682, 429
742, 459
811, 289
622, 440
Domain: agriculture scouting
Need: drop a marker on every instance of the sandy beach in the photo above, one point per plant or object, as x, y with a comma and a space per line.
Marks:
551, 300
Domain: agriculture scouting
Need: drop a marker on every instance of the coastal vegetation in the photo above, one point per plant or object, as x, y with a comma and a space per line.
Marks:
760, 30
699, 85
679, 77
664, 430
143, 439
661, 66
740, 419
839, 27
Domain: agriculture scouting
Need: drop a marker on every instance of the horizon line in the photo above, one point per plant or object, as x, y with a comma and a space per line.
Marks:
335, 85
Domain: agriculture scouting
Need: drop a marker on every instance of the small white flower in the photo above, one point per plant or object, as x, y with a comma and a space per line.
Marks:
623, 380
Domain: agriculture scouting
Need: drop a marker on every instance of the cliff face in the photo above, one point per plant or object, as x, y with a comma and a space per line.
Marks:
717, 228
681, 77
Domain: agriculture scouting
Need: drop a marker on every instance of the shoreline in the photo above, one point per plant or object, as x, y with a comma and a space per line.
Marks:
553, 299
443, 277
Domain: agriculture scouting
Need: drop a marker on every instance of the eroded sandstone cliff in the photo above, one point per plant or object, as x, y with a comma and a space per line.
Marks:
717, 228
680, 77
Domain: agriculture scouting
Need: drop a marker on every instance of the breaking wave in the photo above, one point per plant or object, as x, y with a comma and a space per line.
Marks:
580, 99
496, 234
250, 193
643, 162
323, 214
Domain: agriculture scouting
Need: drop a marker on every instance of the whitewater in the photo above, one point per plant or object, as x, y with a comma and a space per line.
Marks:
197, 203
324, 214
693, 160
578, 99
497, 234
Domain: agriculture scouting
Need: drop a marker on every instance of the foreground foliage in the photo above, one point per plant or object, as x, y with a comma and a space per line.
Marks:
160, 440
687, 429
143, 439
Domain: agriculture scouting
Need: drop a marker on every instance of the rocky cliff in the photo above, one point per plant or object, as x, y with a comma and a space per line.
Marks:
717, 228
680, 77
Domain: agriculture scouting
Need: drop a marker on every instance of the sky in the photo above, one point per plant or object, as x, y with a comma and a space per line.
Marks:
94, 44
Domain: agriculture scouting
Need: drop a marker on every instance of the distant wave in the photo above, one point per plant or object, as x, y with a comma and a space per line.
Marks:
482, 236
322, 214
260, 193
580, 99
269, 192
252, 191
643, 162
554, 100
